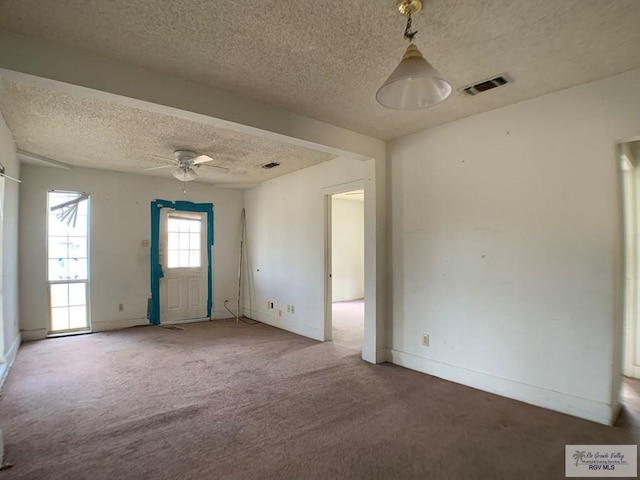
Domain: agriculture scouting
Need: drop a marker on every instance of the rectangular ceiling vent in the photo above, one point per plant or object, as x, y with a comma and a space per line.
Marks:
270, 165
486, 85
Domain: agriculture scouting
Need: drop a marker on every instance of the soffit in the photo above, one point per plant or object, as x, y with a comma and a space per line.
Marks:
86, 132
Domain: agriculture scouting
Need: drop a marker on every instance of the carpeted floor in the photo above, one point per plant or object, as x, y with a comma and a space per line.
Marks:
348, 323
221, 400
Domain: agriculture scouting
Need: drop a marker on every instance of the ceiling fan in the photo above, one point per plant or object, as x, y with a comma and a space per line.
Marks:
184, 163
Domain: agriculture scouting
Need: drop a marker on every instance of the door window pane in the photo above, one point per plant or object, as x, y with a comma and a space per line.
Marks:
183, 241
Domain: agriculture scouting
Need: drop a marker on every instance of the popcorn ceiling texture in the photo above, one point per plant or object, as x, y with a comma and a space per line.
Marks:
326, 59
89, 133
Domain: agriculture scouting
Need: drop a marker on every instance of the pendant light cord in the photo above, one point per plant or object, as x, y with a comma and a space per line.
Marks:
408, 34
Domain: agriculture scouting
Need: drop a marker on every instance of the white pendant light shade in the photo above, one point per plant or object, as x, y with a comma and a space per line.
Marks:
413, 84
185, 174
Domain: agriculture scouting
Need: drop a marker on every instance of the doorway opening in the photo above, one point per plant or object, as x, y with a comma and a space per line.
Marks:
628, 156
345, 317
68, 262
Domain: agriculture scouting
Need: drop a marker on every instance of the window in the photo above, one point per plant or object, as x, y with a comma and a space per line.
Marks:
183, 240
68, 260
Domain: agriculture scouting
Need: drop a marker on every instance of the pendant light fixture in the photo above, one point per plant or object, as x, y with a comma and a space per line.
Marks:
414, 83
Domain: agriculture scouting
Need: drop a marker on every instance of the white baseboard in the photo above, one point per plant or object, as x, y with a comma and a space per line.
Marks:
35, 334
221, 315
118, 324
10, 357
134, 322
380, 355
286, 324
595, 411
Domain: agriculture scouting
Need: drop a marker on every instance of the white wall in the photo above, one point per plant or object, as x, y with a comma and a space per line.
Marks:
120, 220
506, 247
285, 239
10, 331
347, 250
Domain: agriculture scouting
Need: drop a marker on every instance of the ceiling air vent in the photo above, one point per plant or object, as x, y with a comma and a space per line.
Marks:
486, 85
270, 165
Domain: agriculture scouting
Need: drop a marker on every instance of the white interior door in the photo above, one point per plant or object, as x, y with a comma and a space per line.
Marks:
184, 261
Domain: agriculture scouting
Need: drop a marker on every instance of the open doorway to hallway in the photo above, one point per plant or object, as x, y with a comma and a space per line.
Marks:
347, 268
629, 163
629, 158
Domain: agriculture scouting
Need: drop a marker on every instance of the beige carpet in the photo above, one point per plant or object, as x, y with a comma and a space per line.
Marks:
222, 400
348, 323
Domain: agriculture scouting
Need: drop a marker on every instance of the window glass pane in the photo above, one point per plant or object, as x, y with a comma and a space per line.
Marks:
184, 225
77, 317
82, 209
56, 198
59, 295
58, 247
184, 241
60, 318
194, 259
58, 269
183, 256
195, 226
194, 241
77, 268
56, 227
80, 228
173, 225
172, 261
173, 240
77, 247
77, 294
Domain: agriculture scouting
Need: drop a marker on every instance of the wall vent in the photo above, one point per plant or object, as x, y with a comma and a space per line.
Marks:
270, 165
486, 85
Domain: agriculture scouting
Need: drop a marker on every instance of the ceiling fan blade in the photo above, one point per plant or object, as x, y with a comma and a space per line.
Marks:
158, 168
201, 159
216, 167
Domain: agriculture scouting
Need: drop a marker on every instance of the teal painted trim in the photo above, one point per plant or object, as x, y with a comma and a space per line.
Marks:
156, 268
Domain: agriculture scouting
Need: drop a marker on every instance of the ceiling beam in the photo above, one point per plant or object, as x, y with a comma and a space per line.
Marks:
118, 82
28, 157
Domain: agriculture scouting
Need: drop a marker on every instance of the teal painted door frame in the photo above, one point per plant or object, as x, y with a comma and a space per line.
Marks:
156, 268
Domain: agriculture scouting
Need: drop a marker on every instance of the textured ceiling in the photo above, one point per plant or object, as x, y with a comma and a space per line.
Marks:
325, 59
86, 132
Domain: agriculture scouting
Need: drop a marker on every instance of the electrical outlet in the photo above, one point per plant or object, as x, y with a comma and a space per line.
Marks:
288, 308
121, 307
144, 243
279, 313
425, 339
292, 309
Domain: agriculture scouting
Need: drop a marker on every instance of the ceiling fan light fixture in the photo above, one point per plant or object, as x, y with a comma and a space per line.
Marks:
414, 83
185, 174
